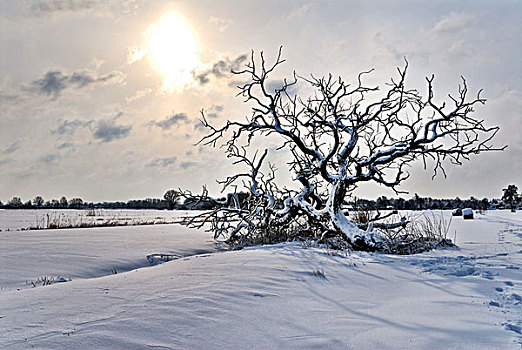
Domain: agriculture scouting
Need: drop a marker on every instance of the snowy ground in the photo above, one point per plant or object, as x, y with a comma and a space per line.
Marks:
272, 297
41, 218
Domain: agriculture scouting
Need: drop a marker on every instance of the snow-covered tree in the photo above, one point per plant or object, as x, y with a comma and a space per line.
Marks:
339, 137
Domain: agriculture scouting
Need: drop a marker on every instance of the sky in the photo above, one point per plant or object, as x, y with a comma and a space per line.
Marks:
99, 100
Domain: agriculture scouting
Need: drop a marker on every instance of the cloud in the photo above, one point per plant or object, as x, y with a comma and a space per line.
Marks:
107, 130
98, 7
50, 6
54, 82
162, 162
213, 111
139, 95
221, 23
274, 85
188, 164
136, 53
199, 126
82, 79
454, 22
169, 122
298, 12
49, 158
220, 69
65, 145
7, 97
12, 147
452, 38
67, 127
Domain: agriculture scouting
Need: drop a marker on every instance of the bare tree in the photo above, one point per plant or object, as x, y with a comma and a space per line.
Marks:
338, 138
171, 196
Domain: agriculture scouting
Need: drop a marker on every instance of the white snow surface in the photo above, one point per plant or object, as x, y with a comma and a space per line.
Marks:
24, 219
284, 296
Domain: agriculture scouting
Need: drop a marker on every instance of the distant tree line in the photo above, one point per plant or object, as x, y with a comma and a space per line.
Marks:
172, 201
169, 201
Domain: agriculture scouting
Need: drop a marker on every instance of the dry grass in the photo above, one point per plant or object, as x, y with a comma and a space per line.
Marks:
319, 273
46, 281
423, 233
362, 216
52, 221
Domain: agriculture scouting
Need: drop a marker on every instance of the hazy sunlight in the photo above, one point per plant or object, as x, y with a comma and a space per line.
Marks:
174, 50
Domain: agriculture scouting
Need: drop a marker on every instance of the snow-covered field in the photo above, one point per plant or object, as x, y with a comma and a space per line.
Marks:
41, 218
285, 296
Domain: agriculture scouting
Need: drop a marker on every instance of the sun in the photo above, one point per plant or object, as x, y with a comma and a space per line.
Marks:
173, 49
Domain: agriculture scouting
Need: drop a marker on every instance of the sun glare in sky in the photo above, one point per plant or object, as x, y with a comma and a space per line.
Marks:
173, 49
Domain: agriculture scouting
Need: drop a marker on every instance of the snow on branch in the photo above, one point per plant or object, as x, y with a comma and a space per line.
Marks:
338, 137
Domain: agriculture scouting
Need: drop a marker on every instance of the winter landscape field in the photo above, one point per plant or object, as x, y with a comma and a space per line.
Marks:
260, 174
110, 288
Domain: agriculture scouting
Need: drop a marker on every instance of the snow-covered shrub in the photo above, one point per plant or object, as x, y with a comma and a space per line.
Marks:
457, 212
467, 213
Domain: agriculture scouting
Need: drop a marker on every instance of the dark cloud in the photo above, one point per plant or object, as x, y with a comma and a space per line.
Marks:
49, 6
107, 130
162, 162
7, 97
12, 147
188, 164
213, 111
169, 122
220, 69
81, 79
274, 85
52, 83
97, 7
50, 158
67, 127
199, 126
65, 145
55, 81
